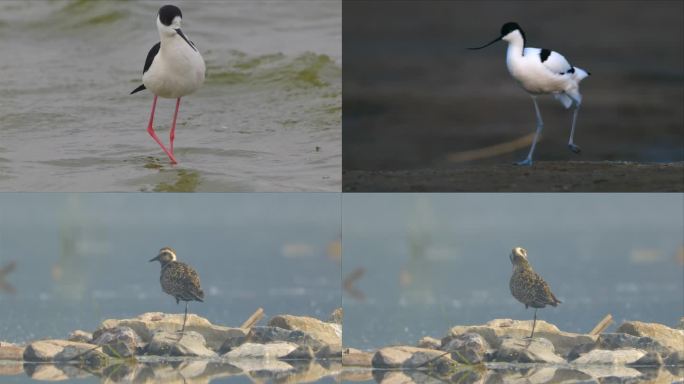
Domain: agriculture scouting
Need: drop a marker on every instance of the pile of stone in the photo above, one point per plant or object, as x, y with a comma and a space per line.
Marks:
155, 334
634, 343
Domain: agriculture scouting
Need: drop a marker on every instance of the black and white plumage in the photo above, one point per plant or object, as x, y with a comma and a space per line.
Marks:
527, 286
178, 280
173, 68
542, 71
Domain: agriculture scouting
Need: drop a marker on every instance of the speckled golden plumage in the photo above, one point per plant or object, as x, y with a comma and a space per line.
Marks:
527, 286
178, 280
181, 281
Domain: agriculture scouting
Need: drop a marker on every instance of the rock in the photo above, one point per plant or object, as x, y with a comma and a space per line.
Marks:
231, 343
405, 357
167, 344
468, 348
80, 336
326, 333
495, 330
650, 359
118, 342
429, 343
681, 324
302, 352
261, 351
537, 350
336, 316
330, 352
614, 341
675, 358
355, 358
617, 357
146, 324
11, 352
669, 337
47, 350
264, 335
92, 357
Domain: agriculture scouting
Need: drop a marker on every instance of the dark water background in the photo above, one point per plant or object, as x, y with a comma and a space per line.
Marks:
433, 261
413, 94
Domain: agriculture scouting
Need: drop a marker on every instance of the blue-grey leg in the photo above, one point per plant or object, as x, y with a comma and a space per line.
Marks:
534, 323
571, 142
540, 126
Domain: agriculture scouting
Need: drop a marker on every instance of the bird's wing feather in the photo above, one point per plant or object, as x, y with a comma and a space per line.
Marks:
553, 61
150, 56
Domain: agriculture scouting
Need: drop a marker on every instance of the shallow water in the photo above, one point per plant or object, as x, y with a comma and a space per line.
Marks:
267, 119
178, 370
427, 262
83, 258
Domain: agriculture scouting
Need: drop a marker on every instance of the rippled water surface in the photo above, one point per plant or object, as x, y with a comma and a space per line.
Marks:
267, 119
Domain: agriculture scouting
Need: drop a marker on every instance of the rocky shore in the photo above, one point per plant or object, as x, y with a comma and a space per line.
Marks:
149, 348
500, 348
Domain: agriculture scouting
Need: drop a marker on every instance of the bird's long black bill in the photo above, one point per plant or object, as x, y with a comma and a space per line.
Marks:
180, 33
488, 44
154, 259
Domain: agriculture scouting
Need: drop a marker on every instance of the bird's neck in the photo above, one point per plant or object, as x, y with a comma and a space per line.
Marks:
515, 48
520, 266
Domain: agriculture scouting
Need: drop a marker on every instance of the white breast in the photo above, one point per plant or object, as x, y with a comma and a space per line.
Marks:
177, 70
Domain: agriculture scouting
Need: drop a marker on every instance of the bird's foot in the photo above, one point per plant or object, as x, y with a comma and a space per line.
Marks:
172, 159
527, 162
575, 148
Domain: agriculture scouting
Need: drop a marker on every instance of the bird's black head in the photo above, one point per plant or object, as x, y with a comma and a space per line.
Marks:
510, 27
169, 12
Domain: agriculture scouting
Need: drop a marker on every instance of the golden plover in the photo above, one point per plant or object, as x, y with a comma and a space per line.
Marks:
527, 286
178, 280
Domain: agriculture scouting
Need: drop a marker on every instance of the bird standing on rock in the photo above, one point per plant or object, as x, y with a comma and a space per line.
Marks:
527, 286
178, 280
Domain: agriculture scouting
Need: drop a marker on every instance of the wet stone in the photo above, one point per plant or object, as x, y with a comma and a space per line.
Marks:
614, 341
167, 344
118, 342
261, 351
429, 343
537, 350
302, 352
669, 337
650, 359
468, 348
268, 334
613, 358
80, 336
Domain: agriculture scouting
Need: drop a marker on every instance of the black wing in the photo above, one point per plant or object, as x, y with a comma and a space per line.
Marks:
148, 63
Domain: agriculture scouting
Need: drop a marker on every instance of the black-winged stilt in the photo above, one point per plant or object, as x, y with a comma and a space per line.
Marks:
541, 71
173, 68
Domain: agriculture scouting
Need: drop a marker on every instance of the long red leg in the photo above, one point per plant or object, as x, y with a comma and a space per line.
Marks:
150, 130
172, 135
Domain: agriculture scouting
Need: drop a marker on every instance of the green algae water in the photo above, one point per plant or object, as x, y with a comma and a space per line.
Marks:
268, 117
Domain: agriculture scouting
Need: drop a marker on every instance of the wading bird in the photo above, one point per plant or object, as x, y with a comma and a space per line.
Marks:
178, 280
539, 72
173, 68
527, 286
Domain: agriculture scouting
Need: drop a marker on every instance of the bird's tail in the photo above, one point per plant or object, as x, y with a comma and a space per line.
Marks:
580, 74
199, 295
140, 88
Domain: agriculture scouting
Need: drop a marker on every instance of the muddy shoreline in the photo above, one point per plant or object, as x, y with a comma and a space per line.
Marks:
549, 176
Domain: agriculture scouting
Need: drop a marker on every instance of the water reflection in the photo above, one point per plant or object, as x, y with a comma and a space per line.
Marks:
523, 374
183, 371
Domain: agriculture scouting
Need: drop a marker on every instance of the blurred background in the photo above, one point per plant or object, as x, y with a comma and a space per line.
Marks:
414, 97
268, 117
83, 258
417, 264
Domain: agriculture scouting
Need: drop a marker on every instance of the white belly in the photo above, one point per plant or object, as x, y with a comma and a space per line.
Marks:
177, 70
535, 78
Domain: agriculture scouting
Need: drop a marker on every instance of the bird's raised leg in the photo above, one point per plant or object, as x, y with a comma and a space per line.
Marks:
172, 135
540, 126
534, 322
571, 142
150, 130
